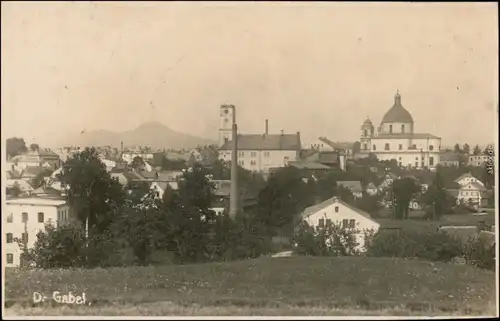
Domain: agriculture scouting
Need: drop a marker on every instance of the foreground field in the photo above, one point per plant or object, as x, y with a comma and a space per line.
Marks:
265, 286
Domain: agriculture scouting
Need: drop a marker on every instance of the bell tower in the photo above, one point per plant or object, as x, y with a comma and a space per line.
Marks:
367, 132
226, 123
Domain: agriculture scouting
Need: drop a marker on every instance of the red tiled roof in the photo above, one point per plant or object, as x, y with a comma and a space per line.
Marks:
266, 142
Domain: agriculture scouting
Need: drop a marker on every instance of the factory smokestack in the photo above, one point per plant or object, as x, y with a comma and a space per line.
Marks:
233, 201
267, 126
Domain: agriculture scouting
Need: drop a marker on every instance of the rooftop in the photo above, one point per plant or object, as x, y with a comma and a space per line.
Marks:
36, 201
397, 114
334, 200
266, 142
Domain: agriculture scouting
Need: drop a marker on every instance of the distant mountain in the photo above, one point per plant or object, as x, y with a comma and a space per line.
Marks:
153, 134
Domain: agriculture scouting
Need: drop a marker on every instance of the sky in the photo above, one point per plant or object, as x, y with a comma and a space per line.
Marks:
317, 68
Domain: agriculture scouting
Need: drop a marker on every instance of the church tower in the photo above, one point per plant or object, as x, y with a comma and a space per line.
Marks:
226, 123
367, 132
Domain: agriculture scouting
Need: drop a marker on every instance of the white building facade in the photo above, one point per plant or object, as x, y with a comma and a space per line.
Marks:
23, 218
258, 152
337, 212
395, 139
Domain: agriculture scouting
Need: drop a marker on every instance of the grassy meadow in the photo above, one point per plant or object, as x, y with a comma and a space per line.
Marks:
264, 286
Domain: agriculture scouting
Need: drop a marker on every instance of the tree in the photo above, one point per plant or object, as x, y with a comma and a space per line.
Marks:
91, 191
466, 149
369, 203
477, 151
34, 147
172, 165
14, 190
140, 223
282, 199
38, 179
60, 247
403, 191
137, 163
436, 198
15, 146
188, 220
457, 149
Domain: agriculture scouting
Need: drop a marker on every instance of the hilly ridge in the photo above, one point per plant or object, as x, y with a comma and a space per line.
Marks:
153, 134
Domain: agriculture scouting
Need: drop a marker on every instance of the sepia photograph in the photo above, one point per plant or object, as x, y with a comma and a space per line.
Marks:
233, 159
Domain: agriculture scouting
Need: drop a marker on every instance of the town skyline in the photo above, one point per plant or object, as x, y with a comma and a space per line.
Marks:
280, 69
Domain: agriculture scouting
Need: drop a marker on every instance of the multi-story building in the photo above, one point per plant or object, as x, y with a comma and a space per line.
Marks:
396, 140
479, 160
24, 217
258, 152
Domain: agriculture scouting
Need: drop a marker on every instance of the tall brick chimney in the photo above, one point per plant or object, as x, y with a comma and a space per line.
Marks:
233, 200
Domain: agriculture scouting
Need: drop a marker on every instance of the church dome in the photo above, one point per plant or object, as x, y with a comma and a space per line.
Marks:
397, 114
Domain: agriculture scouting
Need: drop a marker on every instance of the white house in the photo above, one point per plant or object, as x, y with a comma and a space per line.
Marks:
336, 211
467, 178
25, 217
129, 156
472, 192
258, 152
395, 139
479, 160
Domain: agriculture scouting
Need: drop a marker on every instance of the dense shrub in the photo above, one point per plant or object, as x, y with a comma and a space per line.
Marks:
331, 240
61, 247
479, 253
433, 246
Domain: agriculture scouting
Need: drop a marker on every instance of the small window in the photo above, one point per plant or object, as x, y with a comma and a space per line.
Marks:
414, 146
40, 217
253, 154
242, 154
386, 146
431, 147
10, 258
400, 146
400, 158
336, 209
416, 164
10, 218
374, 147
403, 129
366, 133
431, 161
266, 154
321, 222
9, 238
24, 217
328, 222
345, 223
24, 238
390, 129
352, 223
400, 164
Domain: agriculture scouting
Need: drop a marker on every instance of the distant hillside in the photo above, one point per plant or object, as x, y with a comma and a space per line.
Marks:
153, 134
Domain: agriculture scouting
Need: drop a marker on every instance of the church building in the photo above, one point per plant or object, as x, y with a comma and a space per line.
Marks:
396, 139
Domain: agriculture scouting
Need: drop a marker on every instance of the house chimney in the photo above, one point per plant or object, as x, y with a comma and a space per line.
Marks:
121, 146
267, 127
233, 201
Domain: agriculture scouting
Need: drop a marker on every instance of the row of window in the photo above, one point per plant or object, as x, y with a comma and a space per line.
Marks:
253, 154
10, 238
400, 147
24, 217
471, 193
345, 223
